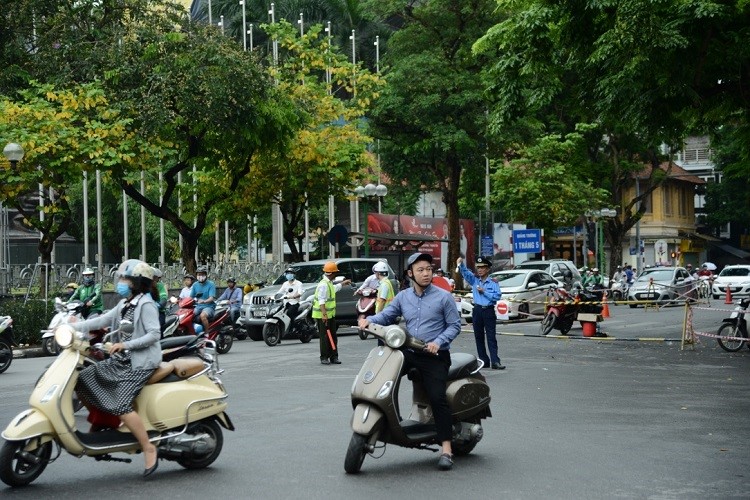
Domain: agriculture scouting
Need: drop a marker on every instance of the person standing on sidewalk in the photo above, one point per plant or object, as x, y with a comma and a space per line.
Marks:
324, 313
486, 293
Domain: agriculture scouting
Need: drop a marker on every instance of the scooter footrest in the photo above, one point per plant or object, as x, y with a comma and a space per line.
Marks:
418, 431
110, 437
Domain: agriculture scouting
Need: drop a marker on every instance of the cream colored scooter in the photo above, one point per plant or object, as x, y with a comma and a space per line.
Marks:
182, 406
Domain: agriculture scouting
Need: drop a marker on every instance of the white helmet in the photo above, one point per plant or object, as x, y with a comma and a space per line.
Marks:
380, 267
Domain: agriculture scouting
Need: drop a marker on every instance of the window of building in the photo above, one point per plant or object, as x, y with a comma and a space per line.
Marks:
667, 193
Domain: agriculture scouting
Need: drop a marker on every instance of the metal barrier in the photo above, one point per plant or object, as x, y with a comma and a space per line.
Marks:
23, 279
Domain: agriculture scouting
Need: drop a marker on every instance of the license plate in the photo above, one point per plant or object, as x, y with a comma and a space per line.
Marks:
260, 313
649, 296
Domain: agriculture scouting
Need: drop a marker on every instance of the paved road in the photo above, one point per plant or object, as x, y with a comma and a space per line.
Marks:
572, 419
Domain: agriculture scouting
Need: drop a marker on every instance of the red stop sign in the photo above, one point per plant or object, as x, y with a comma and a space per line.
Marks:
502, 308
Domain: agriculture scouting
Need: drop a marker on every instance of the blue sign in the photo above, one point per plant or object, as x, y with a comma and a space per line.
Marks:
487, 244
527, 241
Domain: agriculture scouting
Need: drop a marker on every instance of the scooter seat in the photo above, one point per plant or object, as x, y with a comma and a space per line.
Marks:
164, 369
171, 342
462, 364
176, 370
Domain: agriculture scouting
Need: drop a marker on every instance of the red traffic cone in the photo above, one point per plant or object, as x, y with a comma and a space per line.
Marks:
728, 298
605, 306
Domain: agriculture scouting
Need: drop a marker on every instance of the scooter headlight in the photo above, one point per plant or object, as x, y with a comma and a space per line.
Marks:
395, 337
64, 335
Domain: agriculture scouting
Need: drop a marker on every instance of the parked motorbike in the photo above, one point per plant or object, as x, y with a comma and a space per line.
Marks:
64, 311
6, 342
734, 328
183, 407
375, 400
564, 306
365, 306
279, 325
189, 324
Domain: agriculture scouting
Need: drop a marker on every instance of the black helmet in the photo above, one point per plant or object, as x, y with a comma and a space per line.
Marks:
189, 276
290, 270
417, 257
231, 280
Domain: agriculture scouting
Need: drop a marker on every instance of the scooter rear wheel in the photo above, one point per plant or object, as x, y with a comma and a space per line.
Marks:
548, 323
730, 330
19, 467
307, 330
271, 334
212, 430
355, 454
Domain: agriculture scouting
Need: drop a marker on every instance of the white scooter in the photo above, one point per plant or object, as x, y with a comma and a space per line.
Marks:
64, 311
182, 406
6, 342
280, 326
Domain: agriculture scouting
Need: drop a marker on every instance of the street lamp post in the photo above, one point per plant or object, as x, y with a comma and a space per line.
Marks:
14, 153
597, 215
365, 194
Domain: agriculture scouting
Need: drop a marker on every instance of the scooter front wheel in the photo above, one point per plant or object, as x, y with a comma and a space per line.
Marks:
19, 466
271, 334
224, 341
49, 346
548, 323
6, 356
355, 454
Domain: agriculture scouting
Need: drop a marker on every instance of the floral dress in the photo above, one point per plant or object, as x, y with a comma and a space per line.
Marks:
112, 385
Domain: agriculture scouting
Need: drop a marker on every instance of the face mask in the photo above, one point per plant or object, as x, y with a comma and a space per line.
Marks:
289, 277
123, 289
88, 281
201, 279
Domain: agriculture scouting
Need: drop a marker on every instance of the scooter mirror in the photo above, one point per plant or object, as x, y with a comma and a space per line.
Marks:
126, 326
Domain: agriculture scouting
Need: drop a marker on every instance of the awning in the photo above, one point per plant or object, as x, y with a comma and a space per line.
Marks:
734, 251
698, 236
397, 240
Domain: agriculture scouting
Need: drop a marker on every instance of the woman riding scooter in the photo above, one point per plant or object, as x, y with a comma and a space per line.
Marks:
113, 384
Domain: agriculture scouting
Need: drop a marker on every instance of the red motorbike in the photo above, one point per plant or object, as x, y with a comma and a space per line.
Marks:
564, 307
218, 331
365, 306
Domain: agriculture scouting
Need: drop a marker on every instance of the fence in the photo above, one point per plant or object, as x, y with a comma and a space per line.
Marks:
26, 279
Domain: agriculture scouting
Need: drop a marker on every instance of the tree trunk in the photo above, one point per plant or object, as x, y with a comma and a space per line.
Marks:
450, 198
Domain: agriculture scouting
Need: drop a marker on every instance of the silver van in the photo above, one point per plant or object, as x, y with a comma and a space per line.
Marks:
255, 305
562, 270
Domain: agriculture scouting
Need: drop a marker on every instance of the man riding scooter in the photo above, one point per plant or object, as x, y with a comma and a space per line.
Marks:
204, 293
431, 316
90, 293
292, 289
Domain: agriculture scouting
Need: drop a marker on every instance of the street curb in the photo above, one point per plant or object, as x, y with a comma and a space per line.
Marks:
580, 337
28, 352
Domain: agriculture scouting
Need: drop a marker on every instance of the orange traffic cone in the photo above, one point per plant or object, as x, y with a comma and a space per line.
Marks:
605, 306
728, 298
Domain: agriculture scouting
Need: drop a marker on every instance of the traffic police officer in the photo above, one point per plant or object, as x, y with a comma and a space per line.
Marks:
486, 293
324, 313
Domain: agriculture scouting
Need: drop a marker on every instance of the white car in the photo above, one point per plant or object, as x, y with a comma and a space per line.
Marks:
737, 276
661, 285
523, 289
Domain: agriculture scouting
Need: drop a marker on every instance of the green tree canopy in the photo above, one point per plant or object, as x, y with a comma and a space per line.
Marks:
431, 116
